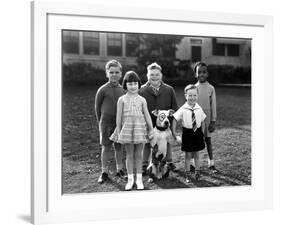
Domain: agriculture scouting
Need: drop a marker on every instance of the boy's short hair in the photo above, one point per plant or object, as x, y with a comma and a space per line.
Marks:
113, 63
200, 63
131, 76
153, 66
190, 87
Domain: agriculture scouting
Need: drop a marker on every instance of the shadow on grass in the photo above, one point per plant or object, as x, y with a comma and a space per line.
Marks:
227, 178
170, 183
199, 183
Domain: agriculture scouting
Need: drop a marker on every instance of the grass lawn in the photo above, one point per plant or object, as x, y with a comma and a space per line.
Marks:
231, 143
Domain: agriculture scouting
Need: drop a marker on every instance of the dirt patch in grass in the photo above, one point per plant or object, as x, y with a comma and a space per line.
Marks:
81, 149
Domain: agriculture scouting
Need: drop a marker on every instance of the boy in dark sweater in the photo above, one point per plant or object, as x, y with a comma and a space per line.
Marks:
105, 110
158, 96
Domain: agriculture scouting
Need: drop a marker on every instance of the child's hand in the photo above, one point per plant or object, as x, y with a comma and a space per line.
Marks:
178, 139
150, 135
212, 126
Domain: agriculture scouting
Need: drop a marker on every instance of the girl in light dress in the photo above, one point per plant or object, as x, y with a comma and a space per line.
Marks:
133, 127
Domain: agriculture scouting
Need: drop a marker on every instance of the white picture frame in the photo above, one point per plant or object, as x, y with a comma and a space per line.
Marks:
48, 205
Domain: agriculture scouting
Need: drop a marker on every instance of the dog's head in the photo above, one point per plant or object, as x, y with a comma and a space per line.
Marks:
163, 116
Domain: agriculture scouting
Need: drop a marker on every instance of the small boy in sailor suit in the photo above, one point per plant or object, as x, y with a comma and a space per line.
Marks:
192, 117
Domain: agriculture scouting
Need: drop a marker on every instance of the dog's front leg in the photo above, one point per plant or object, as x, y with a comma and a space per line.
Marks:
151, 172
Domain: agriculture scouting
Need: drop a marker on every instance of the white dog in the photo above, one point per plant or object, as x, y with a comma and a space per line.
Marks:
162, 135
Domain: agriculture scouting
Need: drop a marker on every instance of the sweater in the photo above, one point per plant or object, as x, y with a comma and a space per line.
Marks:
165, 98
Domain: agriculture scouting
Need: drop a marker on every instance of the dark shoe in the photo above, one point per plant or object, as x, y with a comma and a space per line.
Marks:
102, 178
213, 169
192, 169
121, 174
144, 170
172, 167
197, 175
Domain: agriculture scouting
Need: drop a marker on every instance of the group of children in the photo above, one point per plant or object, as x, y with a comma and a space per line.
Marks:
124, 115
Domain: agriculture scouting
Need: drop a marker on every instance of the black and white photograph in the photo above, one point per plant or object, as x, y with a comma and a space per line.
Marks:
143, 111
147, 111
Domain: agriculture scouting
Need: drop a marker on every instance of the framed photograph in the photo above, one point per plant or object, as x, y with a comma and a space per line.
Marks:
71, 45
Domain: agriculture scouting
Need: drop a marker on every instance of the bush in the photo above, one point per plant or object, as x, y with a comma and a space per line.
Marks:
82, 73
174, 73
227, 74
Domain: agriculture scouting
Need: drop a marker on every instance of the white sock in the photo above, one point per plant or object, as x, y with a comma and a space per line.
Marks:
131, 177
130, 183
211, 162
192, 162
139, 176
139, 182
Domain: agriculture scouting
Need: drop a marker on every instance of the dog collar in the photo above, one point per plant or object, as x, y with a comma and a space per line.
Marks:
161, 128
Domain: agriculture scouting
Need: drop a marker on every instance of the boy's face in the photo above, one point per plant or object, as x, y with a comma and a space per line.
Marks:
191, 96
202, 74
113, 74
154, 77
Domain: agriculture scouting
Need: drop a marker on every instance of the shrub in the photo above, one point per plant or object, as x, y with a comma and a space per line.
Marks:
179, 72
227, 74
82, 73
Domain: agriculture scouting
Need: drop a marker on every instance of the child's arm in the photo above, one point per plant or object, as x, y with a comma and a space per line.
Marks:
119, 114
174, 104
174, 125
98, 103
213, 106
203, 124
174, 133
147, 117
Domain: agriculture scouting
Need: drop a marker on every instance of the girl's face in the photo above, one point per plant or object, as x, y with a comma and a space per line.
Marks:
202, 74
154, 77
191, 97
132, 87
114, 74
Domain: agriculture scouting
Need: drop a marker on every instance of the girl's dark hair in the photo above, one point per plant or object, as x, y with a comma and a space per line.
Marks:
199, 64
130, 76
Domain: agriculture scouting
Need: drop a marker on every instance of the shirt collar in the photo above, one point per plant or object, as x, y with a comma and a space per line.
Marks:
186, 106
205, 83
149, 85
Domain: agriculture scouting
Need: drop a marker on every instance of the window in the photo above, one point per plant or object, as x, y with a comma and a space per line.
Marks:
70, 42
132, 44
91, 43
220, 49
196, 41
114, 44
232, 50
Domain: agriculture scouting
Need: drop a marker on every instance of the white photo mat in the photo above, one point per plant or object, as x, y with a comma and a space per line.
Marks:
48, 203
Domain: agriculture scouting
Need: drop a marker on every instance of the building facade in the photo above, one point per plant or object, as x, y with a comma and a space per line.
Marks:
97, 48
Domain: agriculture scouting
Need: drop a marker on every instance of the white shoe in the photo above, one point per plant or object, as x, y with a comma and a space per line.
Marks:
139, 184
129, 185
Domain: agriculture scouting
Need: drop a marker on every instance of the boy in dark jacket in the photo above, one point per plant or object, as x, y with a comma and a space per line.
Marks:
158, 96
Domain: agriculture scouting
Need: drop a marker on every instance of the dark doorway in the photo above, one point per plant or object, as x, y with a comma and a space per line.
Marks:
196, 53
